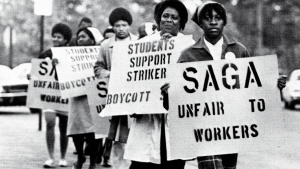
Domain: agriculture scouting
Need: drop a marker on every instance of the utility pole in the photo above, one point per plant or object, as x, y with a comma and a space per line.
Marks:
11, 50
42, 34
259, 19
9, 39
42, 8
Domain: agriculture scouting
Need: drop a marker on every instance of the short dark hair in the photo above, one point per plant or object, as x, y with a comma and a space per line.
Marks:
86, 19
216, 7
176, 4
63, 29
120, 14
107, 30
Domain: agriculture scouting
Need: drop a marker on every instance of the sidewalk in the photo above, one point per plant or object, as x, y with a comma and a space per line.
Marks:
22, 146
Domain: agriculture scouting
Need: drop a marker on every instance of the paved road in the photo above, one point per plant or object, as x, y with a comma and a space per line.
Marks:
22, 146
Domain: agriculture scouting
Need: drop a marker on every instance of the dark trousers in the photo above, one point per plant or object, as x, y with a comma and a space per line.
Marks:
175, 164
229, 160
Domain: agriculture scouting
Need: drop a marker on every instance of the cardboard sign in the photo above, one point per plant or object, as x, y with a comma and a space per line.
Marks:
44, 89
221, 107
96, 98
139, 69
75, 68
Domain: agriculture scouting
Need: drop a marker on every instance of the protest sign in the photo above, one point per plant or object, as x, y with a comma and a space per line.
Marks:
138, 71
222, 107
43, 88
96, 98
75, 68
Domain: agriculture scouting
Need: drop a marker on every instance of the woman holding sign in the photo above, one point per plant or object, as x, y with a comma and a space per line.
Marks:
80, 123
214, 45
148, 136
61, 35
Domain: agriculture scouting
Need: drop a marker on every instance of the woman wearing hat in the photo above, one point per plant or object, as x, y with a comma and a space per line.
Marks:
211, 17
214, 45
80, 123
148, 137
61, 35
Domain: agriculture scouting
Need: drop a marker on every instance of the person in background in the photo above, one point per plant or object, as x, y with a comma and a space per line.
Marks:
108, 32
61, 35
84, 22
80, 123
146, 29
148, 137
214, 45
120, 19
105, 151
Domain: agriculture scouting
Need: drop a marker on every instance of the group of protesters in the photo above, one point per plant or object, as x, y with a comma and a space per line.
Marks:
148, 131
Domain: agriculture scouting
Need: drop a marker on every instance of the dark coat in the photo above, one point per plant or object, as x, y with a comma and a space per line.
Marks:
200, 52
46, 54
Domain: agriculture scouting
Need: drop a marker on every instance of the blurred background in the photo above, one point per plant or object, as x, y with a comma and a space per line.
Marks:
263, 26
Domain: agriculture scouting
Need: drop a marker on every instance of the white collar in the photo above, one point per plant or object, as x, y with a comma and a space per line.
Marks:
215, 50
219, 43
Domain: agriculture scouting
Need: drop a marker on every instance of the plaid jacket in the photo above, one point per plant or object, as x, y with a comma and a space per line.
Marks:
226, 161
200, 52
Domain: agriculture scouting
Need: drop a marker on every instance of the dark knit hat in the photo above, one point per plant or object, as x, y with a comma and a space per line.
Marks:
63, 29
176, 4
209, 5
120, 14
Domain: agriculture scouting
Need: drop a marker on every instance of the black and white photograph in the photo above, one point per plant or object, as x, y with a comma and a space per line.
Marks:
150, 84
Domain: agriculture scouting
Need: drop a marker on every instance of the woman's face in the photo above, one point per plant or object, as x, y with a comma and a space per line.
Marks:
58, 40
83, 39
170, 21
212, 26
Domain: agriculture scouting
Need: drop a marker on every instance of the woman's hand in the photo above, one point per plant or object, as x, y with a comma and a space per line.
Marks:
166, 36
137, 116
281, 82
54, 61
28, 76
164, 88
104, 74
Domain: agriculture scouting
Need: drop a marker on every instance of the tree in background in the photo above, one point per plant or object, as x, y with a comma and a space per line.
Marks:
279, 20
265, 26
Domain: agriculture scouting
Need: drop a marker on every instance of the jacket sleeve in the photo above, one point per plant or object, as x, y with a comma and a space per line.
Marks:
246, 53
100, 68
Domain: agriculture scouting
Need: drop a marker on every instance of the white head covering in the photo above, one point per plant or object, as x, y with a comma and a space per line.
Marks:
97, 35
196, 15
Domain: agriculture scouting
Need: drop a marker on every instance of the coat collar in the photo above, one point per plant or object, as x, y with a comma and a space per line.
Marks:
200, 43
112, 39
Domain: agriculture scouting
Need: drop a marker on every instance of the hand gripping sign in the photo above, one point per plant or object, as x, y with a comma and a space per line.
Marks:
75, 68
139, 69
44, 89
222, 107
